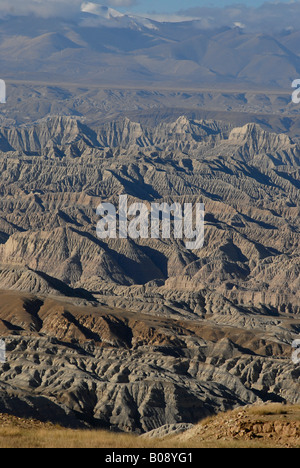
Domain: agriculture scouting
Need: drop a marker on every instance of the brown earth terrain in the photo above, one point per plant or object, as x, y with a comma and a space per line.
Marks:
267, 426
96, 366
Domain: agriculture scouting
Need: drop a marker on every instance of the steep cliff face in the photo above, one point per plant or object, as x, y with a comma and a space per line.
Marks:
264, 149
58, 131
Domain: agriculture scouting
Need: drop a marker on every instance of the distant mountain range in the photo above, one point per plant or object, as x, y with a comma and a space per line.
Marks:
104, 46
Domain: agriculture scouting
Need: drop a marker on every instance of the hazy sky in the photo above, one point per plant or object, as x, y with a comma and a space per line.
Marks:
254, 15
176, 5
279, 14
172, 6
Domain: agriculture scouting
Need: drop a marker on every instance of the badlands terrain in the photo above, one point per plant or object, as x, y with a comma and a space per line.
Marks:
132, 335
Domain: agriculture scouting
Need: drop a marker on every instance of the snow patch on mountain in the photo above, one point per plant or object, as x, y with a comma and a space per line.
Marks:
104, 16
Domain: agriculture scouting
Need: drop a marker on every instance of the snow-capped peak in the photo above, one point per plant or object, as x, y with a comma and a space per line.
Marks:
101, 14
100, 10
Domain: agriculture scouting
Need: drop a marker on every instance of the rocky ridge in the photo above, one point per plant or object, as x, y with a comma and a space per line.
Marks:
51, 184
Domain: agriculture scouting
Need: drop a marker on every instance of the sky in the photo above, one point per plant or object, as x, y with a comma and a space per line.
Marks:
173, 6
281, 13
252, 15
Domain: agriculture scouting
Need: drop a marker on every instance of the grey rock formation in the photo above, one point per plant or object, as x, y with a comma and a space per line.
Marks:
134, 335
168, 430
120, 370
